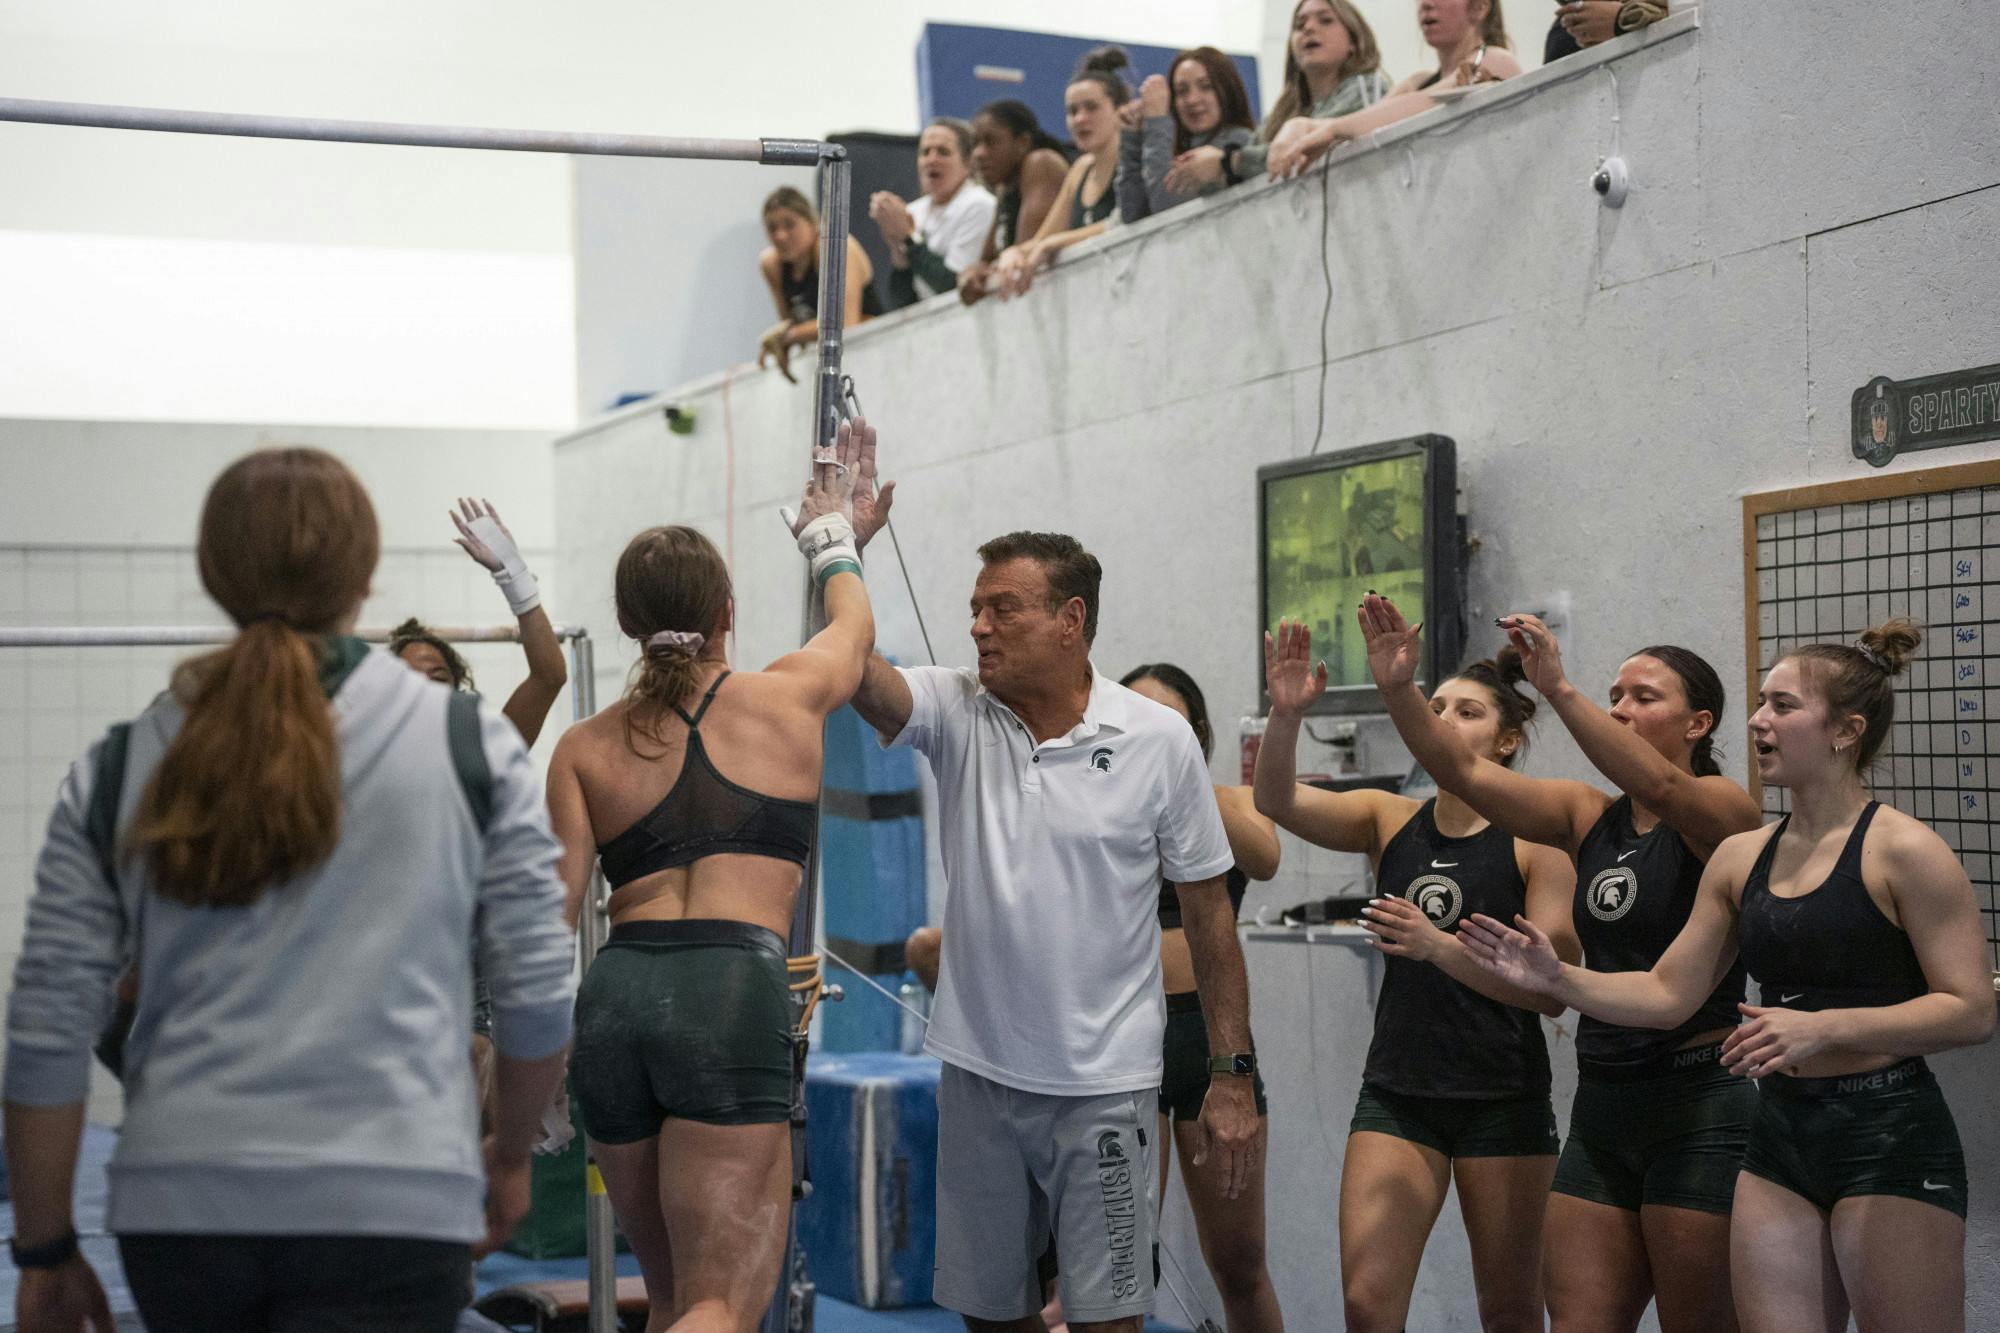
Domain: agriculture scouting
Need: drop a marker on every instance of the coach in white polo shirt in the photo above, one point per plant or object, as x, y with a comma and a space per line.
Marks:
1064, 799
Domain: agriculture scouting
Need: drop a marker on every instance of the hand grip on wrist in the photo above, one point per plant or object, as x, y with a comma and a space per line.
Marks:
828, 541
515, 580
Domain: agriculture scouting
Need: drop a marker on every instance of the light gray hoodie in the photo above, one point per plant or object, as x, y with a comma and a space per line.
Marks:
299, 1066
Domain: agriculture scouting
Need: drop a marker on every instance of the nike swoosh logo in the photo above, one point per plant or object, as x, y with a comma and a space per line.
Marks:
1929, 1186
1443, 865
1623, 855
1787, 999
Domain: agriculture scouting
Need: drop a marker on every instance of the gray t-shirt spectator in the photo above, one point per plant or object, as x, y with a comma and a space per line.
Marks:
298, 1065
1144, 158
1349, 95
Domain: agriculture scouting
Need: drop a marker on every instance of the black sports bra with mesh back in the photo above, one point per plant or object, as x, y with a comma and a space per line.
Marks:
705, 814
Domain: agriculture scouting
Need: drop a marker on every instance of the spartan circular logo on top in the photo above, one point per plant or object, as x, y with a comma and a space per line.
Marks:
1612, 893
1438, 896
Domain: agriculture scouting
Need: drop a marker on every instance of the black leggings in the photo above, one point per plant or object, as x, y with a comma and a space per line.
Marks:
297, 1284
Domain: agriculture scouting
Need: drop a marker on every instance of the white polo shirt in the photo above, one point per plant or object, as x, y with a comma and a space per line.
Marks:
1050, 980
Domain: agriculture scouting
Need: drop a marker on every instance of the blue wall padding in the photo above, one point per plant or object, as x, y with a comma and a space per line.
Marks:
872, 1150
871, 842
961, 68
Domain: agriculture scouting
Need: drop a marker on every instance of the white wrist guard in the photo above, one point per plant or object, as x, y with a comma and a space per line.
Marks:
516, 583
826, 542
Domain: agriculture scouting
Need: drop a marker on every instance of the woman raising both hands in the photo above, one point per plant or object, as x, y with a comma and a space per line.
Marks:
1658, 1125
1860, 925
1457, 1081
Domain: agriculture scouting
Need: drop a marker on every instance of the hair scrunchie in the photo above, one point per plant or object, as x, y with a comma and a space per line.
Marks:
677, 641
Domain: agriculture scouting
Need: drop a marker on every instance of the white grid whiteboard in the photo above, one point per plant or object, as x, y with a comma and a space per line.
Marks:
1823, 563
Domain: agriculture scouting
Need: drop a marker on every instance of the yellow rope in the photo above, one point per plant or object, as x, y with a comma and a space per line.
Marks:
814, 986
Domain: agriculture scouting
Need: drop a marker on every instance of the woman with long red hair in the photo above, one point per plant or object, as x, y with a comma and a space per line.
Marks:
299, 846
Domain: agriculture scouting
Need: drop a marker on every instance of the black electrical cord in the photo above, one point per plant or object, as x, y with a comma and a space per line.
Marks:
1326, 310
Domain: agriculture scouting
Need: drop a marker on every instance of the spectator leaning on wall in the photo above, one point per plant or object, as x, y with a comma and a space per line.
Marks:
790, 265
935, 236
1087, 202
1470, 38
1582, 23
1200, 104
1024, 168
1332, 68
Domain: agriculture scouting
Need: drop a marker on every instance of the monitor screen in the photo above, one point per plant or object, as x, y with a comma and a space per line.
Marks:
1338, 525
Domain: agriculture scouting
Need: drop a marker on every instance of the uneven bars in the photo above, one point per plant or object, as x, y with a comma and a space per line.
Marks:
143, 636
770, 152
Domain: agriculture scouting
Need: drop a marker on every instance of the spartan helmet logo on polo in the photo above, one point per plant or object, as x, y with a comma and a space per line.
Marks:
1100, 759
1438, 896
1612, 893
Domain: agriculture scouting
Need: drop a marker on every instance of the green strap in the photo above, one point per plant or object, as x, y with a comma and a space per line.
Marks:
100, 820
468, 755
338, 656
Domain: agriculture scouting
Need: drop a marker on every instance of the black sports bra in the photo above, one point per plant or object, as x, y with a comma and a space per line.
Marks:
1831, 948
705, 814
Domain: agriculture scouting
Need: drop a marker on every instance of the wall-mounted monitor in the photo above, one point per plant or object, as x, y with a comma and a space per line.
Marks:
1332, 526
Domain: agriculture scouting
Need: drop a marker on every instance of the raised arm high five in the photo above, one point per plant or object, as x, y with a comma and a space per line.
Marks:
1451, 1047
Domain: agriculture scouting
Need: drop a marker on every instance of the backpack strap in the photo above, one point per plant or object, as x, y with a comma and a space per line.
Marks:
100, 826
468, 755
107, 788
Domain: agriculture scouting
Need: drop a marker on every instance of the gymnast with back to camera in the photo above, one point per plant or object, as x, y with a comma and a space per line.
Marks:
290, 844
697, 793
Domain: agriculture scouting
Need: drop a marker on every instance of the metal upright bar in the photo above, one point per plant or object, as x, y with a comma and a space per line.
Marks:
836, 174
599, 1227
769, 152
789, 1311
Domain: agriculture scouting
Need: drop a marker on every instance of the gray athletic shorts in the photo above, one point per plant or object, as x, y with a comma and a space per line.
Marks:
1014, 1169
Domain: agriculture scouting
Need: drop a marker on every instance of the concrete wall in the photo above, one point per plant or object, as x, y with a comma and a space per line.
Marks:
97, 527
666, 271
1615, 381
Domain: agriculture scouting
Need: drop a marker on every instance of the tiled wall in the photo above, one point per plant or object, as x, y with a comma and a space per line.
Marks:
54, 702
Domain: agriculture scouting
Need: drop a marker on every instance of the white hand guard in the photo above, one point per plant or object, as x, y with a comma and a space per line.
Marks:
516, 582
827, 542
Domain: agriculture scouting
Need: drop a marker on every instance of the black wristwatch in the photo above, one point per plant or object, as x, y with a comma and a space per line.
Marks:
49, 1254
1242, 1064
1229, 175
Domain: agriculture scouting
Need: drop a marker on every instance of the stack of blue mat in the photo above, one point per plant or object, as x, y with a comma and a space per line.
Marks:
870, 1225
871, 845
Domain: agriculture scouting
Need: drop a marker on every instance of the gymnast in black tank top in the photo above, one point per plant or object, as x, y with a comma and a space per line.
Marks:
1633, 894
1434, 1036
1455, 1073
